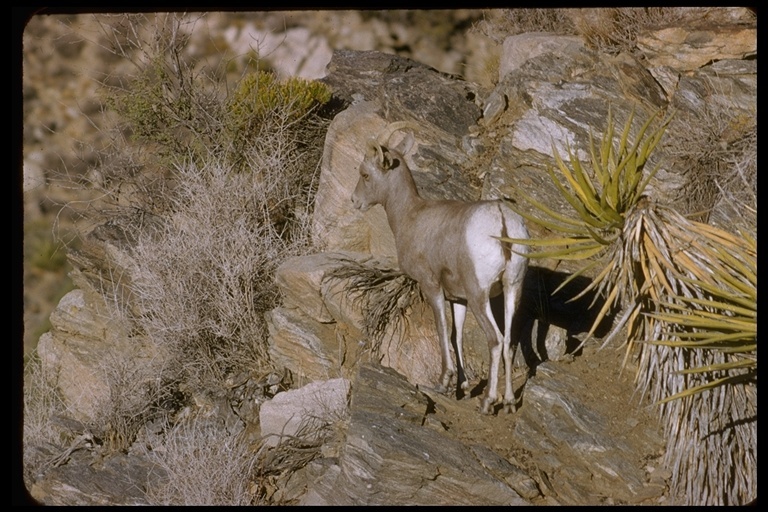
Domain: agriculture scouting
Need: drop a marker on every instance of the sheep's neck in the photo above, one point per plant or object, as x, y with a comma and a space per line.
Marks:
403, 199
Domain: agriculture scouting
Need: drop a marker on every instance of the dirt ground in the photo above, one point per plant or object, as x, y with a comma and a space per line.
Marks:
609, 388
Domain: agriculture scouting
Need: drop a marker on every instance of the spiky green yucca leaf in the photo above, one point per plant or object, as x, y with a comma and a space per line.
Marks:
720, 315
601, 196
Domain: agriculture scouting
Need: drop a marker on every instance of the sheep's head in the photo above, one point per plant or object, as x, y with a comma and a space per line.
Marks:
379, 159
378, 146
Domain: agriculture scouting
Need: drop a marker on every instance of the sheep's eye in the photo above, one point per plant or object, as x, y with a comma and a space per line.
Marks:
365, 176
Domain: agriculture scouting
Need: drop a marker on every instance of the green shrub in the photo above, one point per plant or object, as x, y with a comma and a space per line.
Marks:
260, 96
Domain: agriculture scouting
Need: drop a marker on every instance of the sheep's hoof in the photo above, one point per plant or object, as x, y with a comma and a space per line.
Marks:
509, 407
486, 406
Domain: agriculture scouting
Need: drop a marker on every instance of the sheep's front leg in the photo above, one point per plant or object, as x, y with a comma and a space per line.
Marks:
436, 299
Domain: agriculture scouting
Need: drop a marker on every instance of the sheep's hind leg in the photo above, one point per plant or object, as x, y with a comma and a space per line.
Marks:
481, 308
459, 309
513, 283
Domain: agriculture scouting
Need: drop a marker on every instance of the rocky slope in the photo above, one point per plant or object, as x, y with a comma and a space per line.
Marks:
581, 435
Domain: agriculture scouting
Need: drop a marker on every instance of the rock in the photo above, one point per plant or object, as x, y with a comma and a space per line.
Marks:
119, 480
690, 47
518, 49
291, 411
556, 421
557, 98
336, 224
555, 342
390, 457
300, 278
71, 346
309, 349
403, 88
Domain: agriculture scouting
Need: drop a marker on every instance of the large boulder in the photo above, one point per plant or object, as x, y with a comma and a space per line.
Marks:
687, 48
284, 416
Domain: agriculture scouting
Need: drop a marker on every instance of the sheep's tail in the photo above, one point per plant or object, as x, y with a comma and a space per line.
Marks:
505, 247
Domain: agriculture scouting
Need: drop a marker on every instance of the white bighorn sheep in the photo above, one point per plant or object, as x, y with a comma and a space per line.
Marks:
451, 248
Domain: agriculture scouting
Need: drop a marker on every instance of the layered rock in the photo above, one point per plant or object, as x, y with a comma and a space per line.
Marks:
403, 444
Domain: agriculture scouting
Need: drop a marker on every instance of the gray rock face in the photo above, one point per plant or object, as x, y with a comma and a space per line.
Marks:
401, 447
559, 420
119, 480
394, 454
287, 412
402, 85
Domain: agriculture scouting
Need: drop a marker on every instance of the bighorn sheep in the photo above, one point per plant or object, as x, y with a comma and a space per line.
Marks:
452, 249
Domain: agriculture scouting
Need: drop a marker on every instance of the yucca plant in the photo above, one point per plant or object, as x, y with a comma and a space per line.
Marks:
700, 364
688, 294
603, 200
715, 307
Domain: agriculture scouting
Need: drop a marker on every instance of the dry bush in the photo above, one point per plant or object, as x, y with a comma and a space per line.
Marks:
384, 295
41, 403
141, 389
204, 464
608, 29
716, 151
204, 275
207, 202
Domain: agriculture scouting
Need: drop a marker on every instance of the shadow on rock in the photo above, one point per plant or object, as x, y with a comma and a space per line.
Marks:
549, 322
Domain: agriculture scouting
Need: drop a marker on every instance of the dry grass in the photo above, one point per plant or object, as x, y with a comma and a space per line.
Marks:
383, 294
40, 437
204, 464
608, 29
716, 151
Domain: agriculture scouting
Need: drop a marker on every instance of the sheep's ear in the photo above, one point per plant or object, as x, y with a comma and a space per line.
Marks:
388, 161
